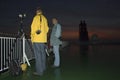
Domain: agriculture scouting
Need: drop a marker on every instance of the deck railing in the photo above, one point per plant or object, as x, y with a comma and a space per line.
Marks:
12, 48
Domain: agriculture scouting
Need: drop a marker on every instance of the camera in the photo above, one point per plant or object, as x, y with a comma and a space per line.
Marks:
38, 31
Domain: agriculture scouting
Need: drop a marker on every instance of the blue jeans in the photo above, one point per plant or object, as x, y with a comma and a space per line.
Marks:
40, 57
57, 56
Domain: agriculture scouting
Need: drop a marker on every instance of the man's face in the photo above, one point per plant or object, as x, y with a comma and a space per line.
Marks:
54, 21
38, 12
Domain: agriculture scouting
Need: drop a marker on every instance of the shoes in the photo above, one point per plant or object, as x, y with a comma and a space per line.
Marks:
36, 74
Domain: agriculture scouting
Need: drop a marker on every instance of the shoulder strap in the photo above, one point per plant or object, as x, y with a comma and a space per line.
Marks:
40, 22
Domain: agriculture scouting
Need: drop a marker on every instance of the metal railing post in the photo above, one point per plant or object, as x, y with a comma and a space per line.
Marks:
20, 50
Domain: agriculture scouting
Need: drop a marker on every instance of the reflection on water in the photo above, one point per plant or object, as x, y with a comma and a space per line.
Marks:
84, 50
105, 54
91, 55
98, 52
92, 61
57, 74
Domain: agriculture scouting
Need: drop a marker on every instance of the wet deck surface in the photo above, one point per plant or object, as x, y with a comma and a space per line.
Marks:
98, 62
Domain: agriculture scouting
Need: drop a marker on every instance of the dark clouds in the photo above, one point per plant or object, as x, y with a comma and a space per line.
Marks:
98, 12
70, 12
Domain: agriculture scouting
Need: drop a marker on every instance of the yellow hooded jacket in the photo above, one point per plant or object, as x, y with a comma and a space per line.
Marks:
42, 37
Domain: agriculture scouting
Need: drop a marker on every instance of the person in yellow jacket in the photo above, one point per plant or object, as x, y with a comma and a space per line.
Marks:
39, 30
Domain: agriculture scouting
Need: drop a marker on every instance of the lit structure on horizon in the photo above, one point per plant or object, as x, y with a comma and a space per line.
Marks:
83, 33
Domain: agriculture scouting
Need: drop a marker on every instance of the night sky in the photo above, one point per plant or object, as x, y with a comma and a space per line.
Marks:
102, 16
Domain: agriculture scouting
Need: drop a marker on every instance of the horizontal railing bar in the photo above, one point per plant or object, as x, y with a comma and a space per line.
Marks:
11, 48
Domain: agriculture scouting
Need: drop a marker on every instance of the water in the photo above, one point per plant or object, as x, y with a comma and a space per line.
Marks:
92, 62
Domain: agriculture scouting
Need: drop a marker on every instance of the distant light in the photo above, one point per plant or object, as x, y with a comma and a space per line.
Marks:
20, 15
24, 15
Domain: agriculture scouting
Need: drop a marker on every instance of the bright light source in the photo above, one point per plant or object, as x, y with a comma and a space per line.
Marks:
20, 15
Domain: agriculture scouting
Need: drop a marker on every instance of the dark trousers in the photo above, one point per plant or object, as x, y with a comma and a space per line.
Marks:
40, 57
